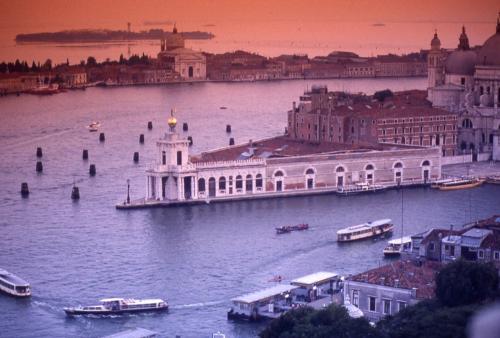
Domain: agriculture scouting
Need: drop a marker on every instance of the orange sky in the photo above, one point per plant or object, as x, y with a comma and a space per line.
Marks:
33, 15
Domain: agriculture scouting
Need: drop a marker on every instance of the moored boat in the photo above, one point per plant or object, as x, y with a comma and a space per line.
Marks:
119, 306
14, 285
397, 246
462, 183
289, 228
365, 230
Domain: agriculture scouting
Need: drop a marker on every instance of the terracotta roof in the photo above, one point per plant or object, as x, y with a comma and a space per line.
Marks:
283, 146
404, 275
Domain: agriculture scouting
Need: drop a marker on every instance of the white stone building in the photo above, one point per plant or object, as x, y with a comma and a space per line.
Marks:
279, 166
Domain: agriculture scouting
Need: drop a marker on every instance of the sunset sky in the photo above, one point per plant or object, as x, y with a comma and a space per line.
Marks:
28, 15
314, 27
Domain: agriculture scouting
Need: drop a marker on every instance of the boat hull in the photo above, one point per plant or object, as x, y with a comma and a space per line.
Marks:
461, 186
79, 312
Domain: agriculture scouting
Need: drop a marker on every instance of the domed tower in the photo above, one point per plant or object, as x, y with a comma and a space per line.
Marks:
435, 64
166, 179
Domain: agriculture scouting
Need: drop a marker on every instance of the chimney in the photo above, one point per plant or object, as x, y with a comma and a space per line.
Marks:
396, 283
382, 280
294, 106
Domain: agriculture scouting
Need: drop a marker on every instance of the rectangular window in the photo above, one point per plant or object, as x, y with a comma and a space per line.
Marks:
355, 298
401, 306
179, 158
431, 246
480, 254
371, 302
387, 306
496, 255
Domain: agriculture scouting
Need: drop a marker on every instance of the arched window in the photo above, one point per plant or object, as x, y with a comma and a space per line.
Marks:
258, 181
279, 173
369, 167
239, 182
426, 163
222, 183
398, 165
249, 183
340, 169
310, 171
201, 185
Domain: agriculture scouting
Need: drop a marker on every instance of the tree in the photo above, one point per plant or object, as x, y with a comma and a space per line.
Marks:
122, 59
383, 94
428, 319
91, 61
333, 321
34, 68
462, 283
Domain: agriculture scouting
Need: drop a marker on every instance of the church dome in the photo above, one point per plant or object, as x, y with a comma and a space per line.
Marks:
489, 54
461, 62
435, 42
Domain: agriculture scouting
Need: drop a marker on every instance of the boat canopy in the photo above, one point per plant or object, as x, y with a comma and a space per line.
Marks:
105, 300
264, 294
404, 240
364, 226
11, 278
314, 278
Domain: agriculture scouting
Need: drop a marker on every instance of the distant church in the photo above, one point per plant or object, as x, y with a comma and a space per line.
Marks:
467, 81
190, 65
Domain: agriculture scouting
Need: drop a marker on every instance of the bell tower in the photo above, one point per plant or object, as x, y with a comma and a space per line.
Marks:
435, 64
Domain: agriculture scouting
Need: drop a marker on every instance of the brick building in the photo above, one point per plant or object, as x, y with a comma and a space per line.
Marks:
405, 118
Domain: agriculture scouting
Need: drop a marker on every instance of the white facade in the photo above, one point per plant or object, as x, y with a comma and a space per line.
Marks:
175, 178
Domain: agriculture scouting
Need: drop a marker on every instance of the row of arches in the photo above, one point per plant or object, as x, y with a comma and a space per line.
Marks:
229, 185
340, 171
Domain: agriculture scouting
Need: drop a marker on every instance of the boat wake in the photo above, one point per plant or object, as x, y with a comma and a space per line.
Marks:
204, 304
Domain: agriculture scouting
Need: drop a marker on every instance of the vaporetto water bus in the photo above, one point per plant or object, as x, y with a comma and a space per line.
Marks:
119, 306
365, 230
14, 285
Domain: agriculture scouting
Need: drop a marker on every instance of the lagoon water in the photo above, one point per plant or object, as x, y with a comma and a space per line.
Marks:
196, 257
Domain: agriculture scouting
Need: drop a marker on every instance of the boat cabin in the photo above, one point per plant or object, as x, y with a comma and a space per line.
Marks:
270, 303
365, 230
13, 285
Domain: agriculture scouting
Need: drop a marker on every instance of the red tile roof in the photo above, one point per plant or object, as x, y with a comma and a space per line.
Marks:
404, 275
283, 146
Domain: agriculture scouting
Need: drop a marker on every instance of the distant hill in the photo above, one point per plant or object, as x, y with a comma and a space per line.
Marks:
96, 35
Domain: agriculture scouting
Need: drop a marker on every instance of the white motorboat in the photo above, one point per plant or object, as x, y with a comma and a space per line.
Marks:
94, 126
397, 246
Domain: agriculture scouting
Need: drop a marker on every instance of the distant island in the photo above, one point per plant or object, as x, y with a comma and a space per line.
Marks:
98, 35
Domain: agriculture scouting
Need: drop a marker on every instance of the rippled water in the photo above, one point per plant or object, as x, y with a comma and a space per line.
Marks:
196, 257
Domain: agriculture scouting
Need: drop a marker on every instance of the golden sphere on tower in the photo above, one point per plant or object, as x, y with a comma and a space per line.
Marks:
172, 121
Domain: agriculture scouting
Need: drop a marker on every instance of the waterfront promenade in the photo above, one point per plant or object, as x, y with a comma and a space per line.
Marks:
476, 169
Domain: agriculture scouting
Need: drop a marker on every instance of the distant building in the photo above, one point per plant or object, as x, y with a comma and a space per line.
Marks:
189, 64
467, 81
390, 288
